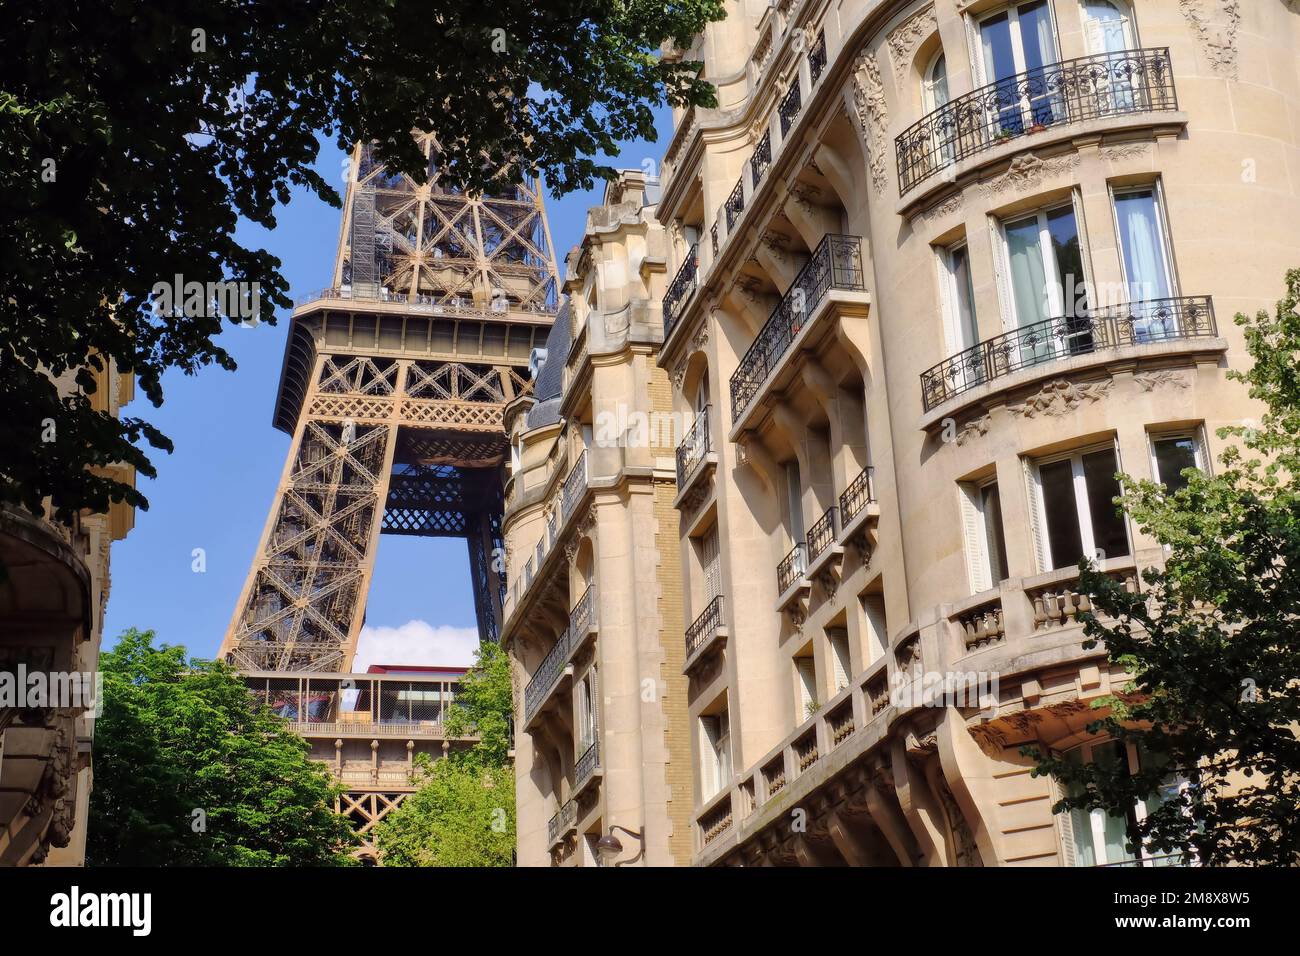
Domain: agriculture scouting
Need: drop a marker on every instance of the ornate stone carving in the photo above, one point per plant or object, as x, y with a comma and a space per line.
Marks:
939, 210
1215, 23
805, 197
1173, 377
1027, 171
1061, 397
975, 428
964, 848
1124, 151
906, 37
872, 114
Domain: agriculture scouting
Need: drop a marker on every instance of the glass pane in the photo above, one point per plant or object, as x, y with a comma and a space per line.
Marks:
1080, 821
1105, 27
1173, 456
1036, 35
1111, 754
1144, 257
1061, 514
1028, 275
939, 83
996, 546
995, 38
961, 277
1108, 533
1064, 232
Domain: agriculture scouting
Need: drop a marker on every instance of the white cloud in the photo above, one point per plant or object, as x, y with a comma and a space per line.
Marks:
416, 642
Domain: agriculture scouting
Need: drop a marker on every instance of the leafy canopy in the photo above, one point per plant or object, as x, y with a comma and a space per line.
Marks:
464, 812
136, 134
1211, 640
178, 737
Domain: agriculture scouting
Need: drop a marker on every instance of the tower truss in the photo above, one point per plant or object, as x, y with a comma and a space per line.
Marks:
394, 386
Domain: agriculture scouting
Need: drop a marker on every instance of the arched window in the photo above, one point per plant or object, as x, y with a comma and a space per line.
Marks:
1108, 26
934, 88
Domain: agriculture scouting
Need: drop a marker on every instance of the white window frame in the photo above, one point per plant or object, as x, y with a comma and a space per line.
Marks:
715, 769
1126, 12
928, 100
1196, 434
1051, 269
1166, 242
950, 296
1017, 41
979, 562
1083, 514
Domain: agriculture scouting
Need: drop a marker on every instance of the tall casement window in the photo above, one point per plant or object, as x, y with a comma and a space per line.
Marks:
1074, 514
841, 665
1108, 26
1172, 453
986, 550
1044, 277
1098, 838
586, 712
1145, 256
711, 565
794, 501
1018, 40
934, 94
805, 672
715, 749
958, 290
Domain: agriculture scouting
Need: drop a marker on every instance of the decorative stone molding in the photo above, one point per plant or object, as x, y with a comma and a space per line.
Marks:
1215, 23
805, 196
1125, 151
939, 210
965, 851
1027, 171
906, 37
1173, 377
975, 428
872, 114
1061, 397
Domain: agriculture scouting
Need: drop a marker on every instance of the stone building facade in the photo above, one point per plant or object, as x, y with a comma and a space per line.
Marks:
593, 617
51, 620
938, 269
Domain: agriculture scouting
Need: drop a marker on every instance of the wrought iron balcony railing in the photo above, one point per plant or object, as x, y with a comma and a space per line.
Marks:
762, 158
583, 615
817, 57
587, 764
822, 533
1134, 323
713, 238
1090, 87
860, 493
679, 293
547, 673
561, 820
735, 204
705, 626
791, 568
836, 263
693, 448
789, 108
575, 485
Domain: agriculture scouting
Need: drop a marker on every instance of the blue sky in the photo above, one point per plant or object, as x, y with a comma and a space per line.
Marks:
214, 491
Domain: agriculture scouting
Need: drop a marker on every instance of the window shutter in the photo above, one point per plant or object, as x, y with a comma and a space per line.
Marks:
976, 51
1064, 825
807, 682
712, 573
839, 659
946, 305
1000, 269
1036, 531
977, 565
1085, 254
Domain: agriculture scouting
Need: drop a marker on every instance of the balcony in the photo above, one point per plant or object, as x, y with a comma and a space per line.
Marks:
1149, 322
735, 204
836, 263
761, 160
694, 452
587, 769
856, 498
822, 535
791, 104
817, 57
562, 823
575, 486
555, 665
707, 634
790, 572
679, 293
1088, 88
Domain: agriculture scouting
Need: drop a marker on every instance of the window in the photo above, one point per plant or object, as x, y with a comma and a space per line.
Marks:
934, 94
1148, 269
794, 493
986, 550
806, 675
873, 607
1044, 268
839, 647
1020, 39
586, 704
1107, 26
715, 729
1174, 453
959, 297
711, 565
1075, 513
1097, 838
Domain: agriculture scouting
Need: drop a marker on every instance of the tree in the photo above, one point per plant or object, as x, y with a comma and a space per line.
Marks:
464, 812
136, 134
1210, 641
190, 770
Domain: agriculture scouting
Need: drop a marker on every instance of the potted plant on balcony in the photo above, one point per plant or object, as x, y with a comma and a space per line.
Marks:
1003, 135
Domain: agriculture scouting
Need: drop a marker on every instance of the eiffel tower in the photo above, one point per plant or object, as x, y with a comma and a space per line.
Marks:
394, 383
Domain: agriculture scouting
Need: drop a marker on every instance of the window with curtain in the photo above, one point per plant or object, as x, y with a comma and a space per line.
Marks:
1047, 281
1014, 41
1145, 253
1076, 495
959, 288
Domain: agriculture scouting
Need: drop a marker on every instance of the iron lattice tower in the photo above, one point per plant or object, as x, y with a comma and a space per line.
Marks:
393, 387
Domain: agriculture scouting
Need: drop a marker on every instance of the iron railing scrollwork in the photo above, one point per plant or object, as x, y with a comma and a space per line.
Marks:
561, 820
735, 204
836, 263
679, 293
860, 493
693, 448
575, 485
705, 626
713, 238
791, 103
822, 533
547, 673
791, 568
1090, 87
583, 615
762, 158
1133, 323
817, 57
587, 764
